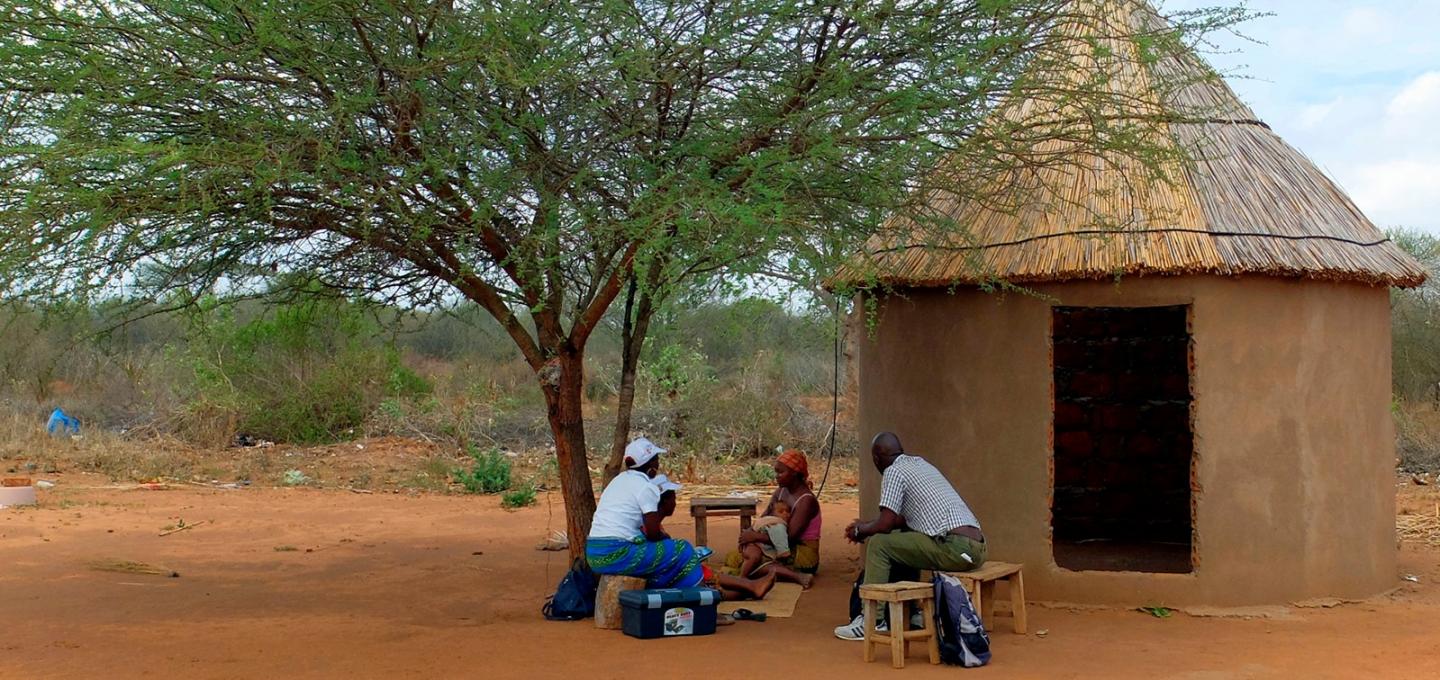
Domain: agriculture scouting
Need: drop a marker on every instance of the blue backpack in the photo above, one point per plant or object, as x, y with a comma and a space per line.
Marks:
574, 598
963, 641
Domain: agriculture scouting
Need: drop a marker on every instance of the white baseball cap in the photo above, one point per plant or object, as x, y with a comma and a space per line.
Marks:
641, 451
665, 484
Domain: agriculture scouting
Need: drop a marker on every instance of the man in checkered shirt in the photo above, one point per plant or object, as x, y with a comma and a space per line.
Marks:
923, 523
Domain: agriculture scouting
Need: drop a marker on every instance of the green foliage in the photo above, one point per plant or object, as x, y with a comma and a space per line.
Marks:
528, 156
1415, 357
732, 334
1415, 322
758, 474
489, 472
537, 153
676, 369
522, 497
295, 478
1157, 612
306, 372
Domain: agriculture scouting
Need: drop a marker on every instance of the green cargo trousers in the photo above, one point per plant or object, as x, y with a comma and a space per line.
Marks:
912, 551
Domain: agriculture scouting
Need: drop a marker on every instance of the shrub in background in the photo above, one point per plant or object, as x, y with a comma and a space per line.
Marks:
758, 474
522, 497
303, 372
489, 472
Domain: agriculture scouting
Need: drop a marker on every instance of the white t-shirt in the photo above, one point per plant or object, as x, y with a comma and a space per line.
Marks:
621, 511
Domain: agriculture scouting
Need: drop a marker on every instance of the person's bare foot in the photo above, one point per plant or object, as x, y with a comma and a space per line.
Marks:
805, 580
761, 586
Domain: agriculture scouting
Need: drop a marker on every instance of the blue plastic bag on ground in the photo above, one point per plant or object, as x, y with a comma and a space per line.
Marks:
62, 422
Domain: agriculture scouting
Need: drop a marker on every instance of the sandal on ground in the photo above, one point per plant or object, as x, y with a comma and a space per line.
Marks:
724, 620
747, 615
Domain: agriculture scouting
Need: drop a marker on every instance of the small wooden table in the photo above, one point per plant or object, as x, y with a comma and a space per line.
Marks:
720, 506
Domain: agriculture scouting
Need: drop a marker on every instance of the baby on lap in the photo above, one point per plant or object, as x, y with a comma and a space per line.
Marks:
777, 527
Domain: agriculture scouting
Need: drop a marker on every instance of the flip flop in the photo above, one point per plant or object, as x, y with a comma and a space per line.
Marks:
747, 615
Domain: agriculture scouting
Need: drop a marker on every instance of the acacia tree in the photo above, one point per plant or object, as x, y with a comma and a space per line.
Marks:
540, 158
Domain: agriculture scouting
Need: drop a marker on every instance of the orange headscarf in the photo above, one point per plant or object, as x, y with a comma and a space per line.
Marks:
796, 462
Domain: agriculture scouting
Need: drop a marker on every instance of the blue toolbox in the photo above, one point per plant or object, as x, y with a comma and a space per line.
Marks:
669, 612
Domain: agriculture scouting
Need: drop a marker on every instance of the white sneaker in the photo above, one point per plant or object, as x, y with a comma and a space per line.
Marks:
855, 630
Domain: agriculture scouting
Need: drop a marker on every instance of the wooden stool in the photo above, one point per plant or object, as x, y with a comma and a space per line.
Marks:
897, 594
701, 508
980, 583
609, 615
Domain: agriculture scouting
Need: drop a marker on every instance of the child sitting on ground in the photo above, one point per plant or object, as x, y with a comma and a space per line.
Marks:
777, 527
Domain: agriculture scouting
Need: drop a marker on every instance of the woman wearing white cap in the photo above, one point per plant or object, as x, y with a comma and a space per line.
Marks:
626, 537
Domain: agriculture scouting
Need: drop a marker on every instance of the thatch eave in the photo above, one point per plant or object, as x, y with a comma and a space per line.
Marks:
1241, 202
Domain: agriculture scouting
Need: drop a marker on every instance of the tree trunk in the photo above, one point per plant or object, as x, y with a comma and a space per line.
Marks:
624, 410
562, 380
855, 332
632, 342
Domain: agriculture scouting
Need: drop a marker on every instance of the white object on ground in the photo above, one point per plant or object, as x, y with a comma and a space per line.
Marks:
557, 540
1411, 578
44, 484
16, 495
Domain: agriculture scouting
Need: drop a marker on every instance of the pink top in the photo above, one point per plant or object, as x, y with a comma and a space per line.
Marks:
812, 530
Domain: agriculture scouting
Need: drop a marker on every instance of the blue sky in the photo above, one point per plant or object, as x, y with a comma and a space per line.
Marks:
1355, 86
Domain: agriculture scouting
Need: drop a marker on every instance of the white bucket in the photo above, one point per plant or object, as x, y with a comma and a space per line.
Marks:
16, 495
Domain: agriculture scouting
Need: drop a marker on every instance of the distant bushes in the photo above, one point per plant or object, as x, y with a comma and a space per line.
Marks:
717, 380
303, 372
1415, 359
1417, 436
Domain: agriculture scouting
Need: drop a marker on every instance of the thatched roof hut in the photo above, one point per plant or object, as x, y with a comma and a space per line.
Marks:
1234, 198
1190, 403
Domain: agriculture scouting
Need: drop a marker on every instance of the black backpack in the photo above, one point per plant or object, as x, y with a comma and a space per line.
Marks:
574, 598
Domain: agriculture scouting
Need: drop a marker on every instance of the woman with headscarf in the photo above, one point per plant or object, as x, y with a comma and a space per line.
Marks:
792, 476
626, 536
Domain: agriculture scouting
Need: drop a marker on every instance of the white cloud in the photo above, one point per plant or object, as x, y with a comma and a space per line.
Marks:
1315, 115
1397, 193
1393, 172
1418, 103
1365, 22
1355, 85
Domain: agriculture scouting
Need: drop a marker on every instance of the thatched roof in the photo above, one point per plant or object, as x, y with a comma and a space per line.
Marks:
1241, 202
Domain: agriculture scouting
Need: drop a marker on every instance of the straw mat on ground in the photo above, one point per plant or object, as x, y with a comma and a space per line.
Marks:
779, 603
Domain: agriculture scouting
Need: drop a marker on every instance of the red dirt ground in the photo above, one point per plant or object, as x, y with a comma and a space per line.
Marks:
385, 585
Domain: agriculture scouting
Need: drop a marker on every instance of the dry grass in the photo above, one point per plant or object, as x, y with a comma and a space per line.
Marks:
118, 456
129, 567
1417, 436
377, 463
1421, 529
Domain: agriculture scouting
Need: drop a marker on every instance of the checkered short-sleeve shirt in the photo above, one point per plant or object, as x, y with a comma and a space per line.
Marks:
915, 490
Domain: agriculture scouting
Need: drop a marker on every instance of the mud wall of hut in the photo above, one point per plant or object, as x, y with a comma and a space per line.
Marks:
1293, 443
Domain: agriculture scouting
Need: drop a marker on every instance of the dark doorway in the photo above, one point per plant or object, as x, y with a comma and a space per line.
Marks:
1123, 440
